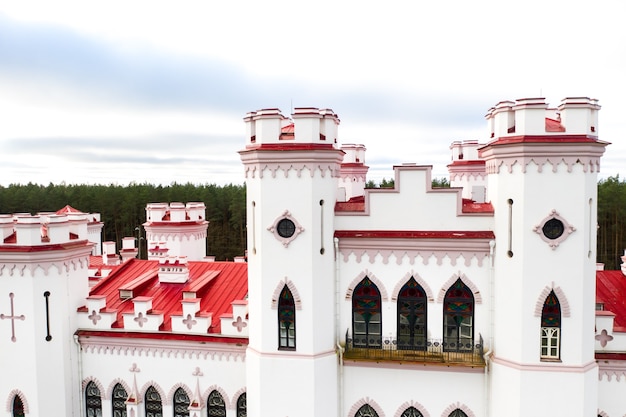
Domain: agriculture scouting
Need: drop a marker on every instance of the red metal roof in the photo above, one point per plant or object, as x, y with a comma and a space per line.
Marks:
611, 291
68, 209
230, 284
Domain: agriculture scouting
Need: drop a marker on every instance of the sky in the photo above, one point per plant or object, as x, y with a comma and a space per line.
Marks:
155, 91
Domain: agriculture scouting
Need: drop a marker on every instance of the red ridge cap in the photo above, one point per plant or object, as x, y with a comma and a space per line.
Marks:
44, 248
414, 234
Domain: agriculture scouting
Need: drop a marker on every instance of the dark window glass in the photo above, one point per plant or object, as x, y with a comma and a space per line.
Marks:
93, 402
551, 327
286, 228
412, 316
241, 405
366, 315
457, 413
411, 412
118, 402
18, 407
153, 404
286, 320
366, 411
181, 403
215, 405
553, 229
458, 318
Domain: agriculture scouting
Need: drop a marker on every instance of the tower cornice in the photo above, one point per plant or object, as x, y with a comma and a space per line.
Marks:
324, 158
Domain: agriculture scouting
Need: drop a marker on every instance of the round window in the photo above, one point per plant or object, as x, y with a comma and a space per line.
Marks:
553, 229
285, 228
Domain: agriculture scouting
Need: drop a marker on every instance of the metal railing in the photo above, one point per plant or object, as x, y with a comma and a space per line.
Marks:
431, 351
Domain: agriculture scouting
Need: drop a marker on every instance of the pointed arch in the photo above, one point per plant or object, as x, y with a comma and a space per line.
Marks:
565, 308
98, 384
458, 318
286, 320
412, 316
219, 389
241, 407
366, 315
452, 408
551, 327
112, 385
157, 387
419, 280
216, 403
478, 298
294, 291
11, 398
175, 387
411, 404
181, 400
119, 396
363, 402
366, 274
233, 404
93, 399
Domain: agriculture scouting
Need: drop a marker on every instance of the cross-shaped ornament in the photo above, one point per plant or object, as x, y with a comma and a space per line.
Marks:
12, 317
239, 324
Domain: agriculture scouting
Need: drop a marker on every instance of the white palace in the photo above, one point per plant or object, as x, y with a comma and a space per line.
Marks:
479, 300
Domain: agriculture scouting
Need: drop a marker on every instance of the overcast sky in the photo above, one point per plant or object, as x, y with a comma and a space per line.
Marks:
154, 91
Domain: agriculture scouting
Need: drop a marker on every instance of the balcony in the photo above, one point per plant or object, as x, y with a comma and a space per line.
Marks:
429, 352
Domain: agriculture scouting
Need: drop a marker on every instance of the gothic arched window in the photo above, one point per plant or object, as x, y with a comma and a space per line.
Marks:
411, 412
458, 318
152, 401
412, 329
93, 402
551, 328
366, 315
18, 407
457, 413
216, 407
181, 403
366, 411
118, 401
241, 405
286, 320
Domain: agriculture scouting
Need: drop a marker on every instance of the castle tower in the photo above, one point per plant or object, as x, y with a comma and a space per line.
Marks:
292, 169
353, 172
467, 170
542, 167
181, 228
43, 280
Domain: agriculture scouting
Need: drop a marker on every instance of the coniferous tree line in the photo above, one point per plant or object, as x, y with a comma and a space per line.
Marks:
122, 210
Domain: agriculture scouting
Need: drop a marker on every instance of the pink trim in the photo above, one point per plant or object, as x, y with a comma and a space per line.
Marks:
418, 279
233, 404
363, 401
293, 353
294, 292
109, 391
545, 366
12, 395
188, 391
372, 277
455, 406
97, 383
322, 158
413, 404
144, 389
565, 309
602, 414
218, 389
478, 299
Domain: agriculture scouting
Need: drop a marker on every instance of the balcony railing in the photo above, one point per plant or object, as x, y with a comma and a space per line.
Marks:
429, 351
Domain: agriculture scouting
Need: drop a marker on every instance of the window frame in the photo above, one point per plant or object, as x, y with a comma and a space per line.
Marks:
363, 305
286, 314
455, 322
412, 309
550, 329
93, 400
116, 398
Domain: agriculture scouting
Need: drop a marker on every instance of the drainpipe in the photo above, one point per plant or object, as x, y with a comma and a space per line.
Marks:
80, 374
340, 349
487, 355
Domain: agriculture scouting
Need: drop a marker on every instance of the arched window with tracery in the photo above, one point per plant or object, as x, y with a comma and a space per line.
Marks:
412, 329
412, 412
366, 315
366, 410
242, 405
181, 403
551, 328
458, 318
17, 408
216, 407
286, 320
457, 413
118, 401
93, 401
152, 401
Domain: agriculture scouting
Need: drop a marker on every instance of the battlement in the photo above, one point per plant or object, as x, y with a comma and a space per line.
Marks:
466, 150
532, 117
175, 212
24, 229
307, 125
